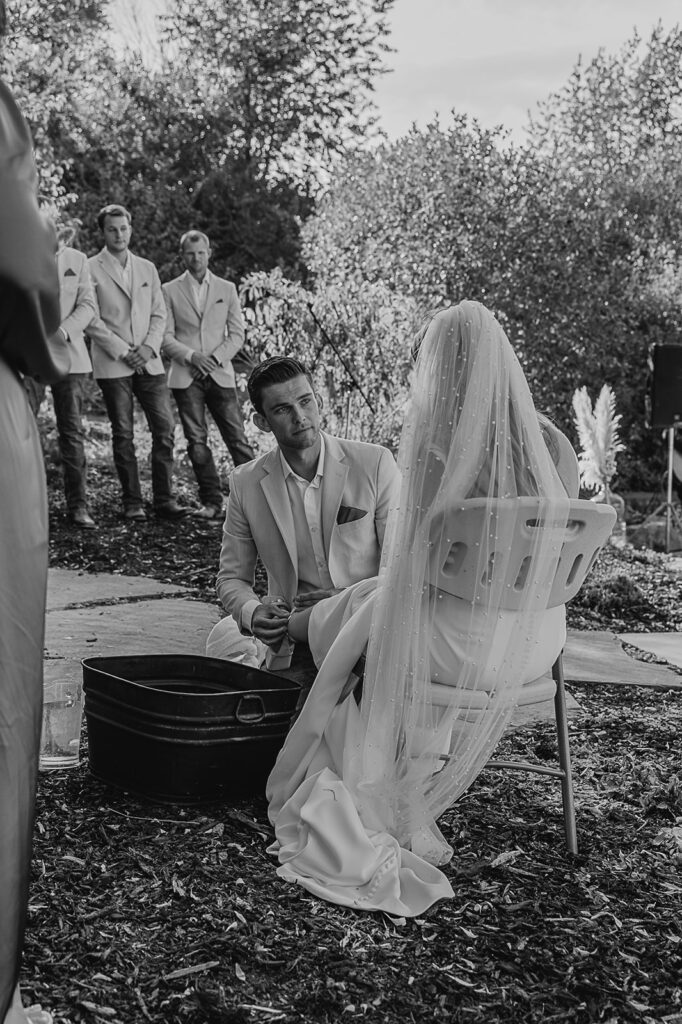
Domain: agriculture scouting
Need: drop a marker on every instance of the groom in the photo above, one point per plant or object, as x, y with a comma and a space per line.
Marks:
314, 510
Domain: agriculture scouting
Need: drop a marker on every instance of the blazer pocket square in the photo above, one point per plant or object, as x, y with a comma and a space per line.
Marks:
69, 272
219, 300
145, 284
348, 514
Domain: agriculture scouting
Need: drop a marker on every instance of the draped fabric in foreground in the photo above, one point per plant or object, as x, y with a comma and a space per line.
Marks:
29, 313
23, 578
356, 792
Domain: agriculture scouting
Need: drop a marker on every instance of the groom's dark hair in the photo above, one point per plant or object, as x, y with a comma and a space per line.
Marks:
275, 370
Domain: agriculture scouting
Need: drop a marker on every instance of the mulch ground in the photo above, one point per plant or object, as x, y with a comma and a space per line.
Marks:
167, 914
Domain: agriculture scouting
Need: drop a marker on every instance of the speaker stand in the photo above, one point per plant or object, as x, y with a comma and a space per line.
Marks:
671, 512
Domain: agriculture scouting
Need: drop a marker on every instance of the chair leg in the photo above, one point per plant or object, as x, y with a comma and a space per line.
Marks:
564, 755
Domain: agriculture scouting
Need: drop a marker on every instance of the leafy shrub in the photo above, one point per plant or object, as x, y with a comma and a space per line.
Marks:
617, 597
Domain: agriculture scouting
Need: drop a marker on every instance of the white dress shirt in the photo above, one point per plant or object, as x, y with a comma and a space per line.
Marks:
305, 497
200, 290
124, 270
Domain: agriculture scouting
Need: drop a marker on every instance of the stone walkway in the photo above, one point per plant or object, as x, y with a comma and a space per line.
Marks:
100, 614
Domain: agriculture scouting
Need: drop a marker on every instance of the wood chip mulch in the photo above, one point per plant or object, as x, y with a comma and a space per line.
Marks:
165, 914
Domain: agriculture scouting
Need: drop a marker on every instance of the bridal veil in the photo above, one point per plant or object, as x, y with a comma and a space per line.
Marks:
471, 432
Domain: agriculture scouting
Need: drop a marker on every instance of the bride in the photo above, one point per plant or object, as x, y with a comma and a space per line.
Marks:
357, 789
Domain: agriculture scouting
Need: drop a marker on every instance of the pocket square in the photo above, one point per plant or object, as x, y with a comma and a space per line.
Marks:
145, 284
348, 514
69, 272
219, 300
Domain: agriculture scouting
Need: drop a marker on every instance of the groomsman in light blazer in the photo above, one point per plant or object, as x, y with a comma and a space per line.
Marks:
126, 343
314, 510
77, 310
204, 330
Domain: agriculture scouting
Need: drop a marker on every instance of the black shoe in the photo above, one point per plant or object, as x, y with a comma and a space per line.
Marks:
81, 519
171, 510
134, 513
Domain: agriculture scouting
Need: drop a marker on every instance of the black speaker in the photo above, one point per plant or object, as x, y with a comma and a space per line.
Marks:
664, 401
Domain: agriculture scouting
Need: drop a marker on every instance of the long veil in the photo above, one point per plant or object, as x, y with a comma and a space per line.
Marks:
471, 432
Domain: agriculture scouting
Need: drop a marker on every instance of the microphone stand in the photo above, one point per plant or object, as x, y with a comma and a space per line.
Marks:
670, 509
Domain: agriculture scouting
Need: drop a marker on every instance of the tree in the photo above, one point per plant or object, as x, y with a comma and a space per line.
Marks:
56, 59
350, 337
613, 135
231, 130
284, 85
571, 257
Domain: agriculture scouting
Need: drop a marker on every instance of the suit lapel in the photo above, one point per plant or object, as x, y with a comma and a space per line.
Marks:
333, 483
276, 494
113, 272
188, 292
134, 276
212, 292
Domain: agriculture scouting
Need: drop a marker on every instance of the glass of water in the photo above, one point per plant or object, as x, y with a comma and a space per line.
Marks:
62, 715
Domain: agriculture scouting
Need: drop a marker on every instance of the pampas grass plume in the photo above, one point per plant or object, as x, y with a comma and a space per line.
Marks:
598, 436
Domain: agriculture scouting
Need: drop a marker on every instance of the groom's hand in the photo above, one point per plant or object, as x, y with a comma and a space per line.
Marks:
310, 598
269, 623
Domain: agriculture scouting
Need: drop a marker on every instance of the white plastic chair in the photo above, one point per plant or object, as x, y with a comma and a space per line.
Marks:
454, 568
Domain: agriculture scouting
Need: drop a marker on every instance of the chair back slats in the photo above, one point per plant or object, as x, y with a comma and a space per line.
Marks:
455, 556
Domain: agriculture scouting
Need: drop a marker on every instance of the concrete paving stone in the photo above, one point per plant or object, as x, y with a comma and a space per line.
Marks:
666, 646
175, 625
166, 626
69, 587
598, 657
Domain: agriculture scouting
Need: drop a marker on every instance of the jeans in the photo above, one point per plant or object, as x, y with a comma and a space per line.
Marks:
67, 397
153, 395
223, 406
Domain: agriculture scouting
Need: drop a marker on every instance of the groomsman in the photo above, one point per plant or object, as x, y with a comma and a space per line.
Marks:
126, 343
77, 310
204, 330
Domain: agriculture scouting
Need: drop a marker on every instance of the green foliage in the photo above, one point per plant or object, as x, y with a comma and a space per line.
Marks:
616, 597
284, 85
53, 56
230, 131
351, 338
574, 241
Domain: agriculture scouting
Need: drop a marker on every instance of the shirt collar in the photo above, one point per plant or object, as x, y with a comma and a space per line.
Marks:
319, 473
195, 284
121, 267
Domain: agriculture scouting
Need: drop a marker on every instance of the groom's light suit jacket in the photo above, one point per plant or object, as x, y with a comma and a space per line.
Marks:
359, 485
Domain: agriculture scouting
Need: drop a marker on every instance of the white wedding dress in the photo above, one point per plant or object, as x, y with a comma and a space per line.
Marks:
322, 842
356, 790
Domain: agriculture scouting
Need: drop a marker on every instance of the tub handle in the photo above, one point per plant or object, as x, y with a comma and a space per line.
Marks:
255, 713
